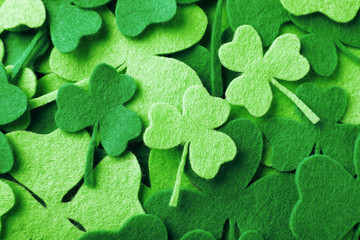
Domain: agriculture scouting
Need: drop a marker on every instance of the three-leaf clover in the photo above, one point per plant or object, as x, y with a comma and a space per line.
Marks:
329, 198
282, 60
208, 149
324, 36
6, 156
292, 141
264, 205
102, 108
7, 199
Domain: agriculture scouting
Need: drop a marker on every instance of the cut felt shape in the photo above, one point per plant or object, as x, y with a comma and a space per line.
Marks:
198, 234
102, 108
51, 174
2, 50
69, 23
133, 16
15, 14
337, 10
328, 205
138, 227
111, 47
264, 206
90, 4
186, 1
292, 141
251, 235
282, 61
324, 36
265, 16
7, 199
6, 155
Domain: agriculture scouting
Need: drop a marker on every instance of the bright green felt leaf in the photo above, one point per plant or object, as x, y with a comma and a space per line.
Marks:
329, 200
6, 156
17, 13
50, 175
138, 227
337, 10
187, 1
251, 235
2, 50
133, 16
200, 115
49, 83
198, 235
266, 16
108, 91
90, 4
25, 80
69, 23
7, 199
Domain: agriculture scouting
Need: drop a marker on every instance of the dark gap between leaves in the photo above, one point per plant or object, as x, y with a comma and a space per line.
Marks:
77, 224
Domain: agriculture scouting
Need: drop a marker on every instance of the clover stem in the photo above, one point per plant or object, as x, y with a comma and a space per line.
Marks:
175, 194
317, 148
347, 52
231, 229
298, 102
89, 165
356, 235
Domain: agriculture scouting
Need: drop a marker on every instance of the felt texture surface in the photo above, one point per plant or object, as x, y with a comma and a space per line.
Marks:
201, 113
265, 16
337, 10
324, 36
79, 109
251, 235
69, 23
198, 234
90, 4
328, 207
166, 86
49, 83
43, 119
2, 50
17, 13
7, 199
15, 44
183, 31
25, 80
138, 227
187, 1
264, 206
51, 174
133, 16
6, 155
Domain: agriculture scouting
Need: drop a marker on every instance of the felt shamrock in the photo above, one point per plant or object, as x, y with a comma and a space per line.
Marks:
251, 235
328, 205
6, 156
208, 149
324, 36
266, 16
292, 141
252, 89
264, 206
7, 199
198, 234
90, 4
102, 108
51, 166
337, 10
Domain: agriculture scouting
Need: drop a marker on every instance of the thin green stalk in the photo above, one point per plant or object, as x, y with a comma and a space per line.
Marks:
231, 229
89, 165
347, 52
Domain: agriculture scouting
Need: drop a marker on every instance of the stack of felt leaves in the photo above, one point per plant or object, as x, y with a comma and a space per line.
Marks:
179, 119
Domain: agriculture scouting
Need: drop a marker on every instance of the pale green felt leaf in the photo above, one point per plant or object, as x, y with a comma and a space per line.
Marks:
18, 13
49, 83
90, 4
110, 46
337, 10
2, 49
25, 80
162, 80
7, 199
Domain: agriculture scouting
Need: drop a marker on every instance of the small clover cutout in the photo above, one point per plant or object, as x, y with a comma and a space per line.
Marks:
101, 107
208, 149
282, 60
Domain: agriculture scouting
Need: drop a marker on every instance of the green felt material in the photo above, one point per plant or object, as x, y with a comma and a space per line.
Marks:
7, 199
133, 16
43, 119
337, 10
69, 23
108, 91
328, 205
90, 4
357, 156
2, 50
50, 175
26, 80
14, 14
6, 155
15, 44
282, 61
109, 46
187, 1
324, 36
162, 80
264, 206
138, 227
201, 113
266, 16
49, 83
13, 101
199, 59
198, 234
251, 235
41, 64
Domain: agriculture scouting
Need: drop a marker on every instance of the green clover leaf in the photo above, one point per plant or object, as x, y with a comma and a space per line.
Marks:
100, 107
194, 127
90, 4
282, 61
6, 156
7, 199
292, 141
323, 37
264, 205
337, 10
251, 235
198, 234
50, 175
328, 199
